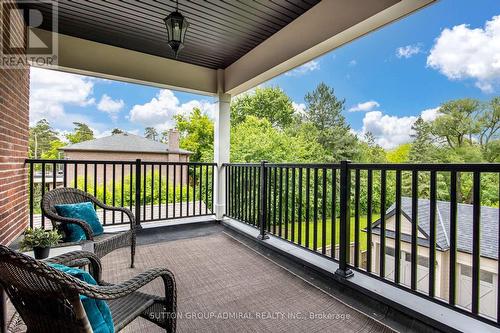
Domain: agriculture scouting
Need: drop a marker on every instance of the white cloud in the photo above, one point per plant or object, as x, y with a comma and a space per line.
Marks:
310, 66
51, 90
465, 53
365, 106
160, 110
392, 131
110, 106
430, 114
299, 108
407, 51
353, 63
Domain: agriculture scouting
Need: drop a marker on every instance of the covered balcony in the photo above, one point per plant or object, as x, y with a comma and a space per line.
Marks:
261, 247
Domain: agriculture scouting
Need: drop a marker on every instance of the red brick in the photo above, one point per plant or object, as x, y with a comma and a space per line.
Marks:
14, 133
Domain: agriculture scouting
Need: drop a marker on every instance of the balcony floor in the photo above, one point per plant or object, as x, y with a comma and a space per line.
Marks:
218, 275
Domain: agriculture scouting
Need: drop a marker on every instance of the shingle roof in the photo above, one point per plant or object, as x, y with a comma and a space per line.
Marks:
124, 142
489, 225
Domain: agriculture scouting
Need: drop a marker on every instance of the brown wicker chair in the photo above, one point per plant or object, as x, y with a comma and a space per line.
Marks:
48, 300
103, 244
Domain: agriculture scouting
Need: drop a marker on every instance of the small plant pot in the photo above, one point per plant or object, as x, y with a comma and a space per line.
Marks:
41, 252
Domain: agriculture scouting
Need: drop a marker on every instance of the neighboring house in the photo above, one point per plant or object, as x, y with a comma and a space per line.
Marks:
126, 147
488, 249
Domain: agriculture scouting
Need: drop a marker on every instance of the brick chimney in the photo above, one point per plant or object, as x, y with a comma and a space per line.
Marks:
173, 140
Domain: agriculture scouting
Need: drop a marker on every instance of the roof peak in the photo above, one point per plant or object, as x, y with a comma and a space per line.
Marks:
124, 142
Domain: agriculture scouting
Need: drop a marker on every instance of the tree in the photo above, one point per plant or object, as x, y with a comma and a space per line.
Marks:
489, 133
270, 103
81, 132
197, 135
40, 137
151, 133
255, 139
422, 148
369, 151
400, 154
467, 130
324, 111
54, 152
116, 131
458, 122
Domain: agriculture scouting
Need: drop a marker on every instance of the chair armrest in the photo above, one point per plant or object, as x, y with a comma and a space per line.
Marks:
81, 223
111, 291
124, 210
77, 258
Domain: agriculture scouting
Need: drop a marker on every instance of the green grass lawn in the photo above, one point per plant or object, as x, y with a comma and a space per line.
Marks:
362, 235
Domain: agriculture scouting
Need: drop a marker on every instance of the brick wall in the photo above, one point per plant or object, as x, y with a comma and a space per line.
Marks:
14, 127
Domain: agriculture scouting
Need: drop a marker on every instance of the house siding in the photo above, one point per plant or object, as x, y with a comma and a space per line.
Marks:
14, 134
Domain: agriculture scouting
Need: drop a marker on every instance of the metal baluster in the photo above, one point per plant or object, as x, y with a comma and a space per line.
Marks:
181, 183
206, 189
187, 189
84, 177
43, 191
167, 190
160, 166
333, 213
357, 181
324, 172
174, 181
152, 203
31, 202
113, 194
194, 189
414, 228
299, 227
280, 212
292, 236
315, 210
308, 206
369, 212
397, 254
383, 187
287, 174
476, 238
432, 234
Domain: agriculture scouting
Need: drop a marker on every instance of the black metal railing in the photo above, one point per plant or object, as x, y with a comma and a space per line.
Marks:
154, 191
390, 221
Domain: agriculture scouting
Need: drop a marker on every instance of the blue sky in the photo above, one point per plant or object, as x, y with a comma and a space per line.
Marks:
388, 78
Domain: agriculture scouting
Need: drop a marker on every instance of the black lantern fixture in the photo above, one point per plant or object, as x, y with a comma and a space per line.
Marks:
176, 29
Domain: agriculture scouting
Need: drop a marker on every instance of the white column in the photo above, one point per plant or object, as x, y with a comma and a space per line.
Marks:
221, 151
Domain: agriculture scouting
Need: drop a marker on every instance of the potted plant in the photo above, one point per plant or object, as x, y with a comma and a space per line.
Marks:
40, 241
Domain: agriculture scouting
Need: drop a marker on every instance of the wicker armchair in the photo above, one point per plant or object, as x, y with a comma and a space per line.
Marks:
103, 244
48, 299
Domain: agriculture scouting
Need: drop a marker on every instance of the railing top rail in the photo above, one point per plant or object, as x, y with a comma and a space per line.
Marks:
462, 167
178, 163
241, 164
305, 165
287, 165
61, 161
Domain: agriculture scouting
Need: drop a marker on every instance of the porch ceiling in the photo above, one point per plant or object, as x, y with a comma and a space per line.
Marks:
220, 31
230, 46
